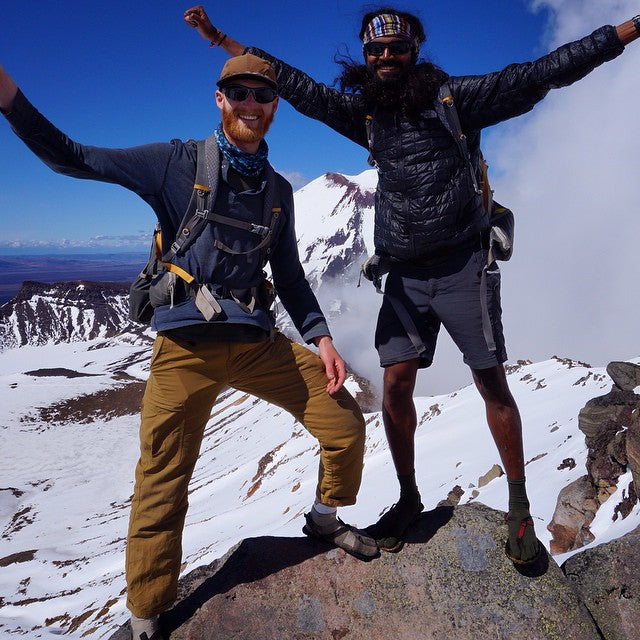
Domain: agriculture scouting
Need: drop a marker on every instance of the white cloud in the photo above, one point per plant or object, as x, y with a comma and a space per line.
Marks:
570, 172
296, 179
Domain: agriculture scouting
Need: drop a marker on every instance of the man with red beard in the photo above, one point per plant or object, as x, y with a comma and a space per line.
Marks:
431, 228
215, 328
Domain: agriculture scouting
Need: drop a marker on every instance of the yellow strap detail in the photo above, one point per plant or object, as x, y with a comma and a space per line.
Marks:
187, 277
157, 236
276, 209
447, 100
201, 187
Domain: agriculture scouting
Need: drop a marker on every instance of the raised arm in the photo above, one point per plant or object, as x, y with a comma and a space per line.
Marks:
197, 18
8, 91
629, 31
342, 112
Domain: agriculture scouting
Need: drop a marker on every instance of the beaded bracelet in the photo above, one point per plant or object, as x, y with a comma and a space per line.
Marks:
636, 23
213, 43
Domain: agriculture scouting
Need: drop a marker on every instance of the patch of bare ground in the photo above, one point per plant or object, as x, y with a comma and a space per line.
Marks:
105, 404
59, 372
21, 556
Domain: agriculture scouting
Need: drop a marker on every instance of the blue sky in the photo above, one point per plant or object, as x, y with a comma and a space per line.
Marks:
121, 74
126, 73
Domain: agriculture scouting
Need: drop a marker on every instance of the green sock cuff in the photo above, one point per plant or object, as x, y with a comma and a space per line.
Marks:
518, 496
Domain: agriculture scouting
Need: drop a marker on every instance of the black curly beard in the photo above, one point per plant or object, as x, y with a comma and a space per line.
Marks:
410, 91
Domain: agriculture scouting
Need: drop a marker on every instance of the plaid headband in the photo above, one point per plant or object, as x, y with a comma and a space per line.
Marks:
388, 24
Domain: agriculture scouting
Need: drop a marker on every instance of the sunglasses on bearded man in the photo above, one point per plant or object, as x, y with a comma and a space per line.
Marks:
396, 48
238, 93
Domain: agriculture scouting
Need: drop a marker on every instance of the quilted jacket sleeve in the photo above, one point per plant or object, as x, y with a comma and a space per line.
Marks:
341, 111
485, 100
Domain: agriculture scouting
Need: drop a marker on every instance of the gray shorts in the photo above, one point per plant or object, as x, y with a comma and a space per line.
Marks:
449, 294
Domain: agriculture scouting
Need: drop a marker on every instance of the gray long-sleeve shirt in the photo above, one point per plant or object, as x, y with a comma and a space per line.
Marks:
163, 174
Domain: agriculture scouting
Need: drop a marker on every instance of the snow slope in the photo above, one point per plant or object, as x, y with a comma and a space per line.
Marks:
67, 476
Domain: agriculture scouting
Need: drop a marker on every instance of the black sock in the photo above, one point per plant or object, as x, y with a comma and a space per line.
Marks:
408, 486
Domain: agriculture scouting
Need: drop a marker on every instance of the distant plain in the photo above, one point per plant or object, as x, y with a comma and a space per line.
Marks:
106, 267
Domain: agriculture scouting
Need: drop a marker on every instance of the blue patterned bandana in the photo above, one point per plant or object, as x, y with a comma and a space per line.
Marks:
248, 164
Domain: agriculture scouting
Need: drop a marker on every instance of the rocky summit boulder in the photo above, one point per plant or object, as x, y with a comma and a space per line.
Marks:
625, 375
607, 579
451, 580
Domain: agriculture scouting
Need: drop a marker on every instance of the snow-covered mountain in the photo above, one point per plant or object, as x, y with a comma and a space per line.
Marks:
64, 311
69, 433
71, 379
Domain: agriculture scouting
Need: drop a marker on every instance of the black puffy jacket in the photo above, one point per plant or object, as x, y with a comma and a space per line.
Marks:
425, 204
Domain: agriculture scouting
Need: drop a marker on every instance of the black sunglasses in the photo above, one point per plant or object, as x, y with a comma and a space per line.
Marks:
238, 93
396, 48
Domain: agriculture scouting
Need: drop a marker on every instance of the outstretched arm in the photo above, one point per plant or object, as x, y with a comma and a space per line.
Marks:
629, 31
8, 91
197, 18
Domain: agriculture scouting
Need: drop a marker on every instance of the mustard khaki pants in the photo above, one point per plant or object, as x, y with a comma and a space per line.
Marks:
184, 382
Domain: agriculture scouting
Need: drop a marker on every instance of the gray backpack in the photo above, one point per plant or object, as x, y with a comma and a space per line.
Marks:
161, 280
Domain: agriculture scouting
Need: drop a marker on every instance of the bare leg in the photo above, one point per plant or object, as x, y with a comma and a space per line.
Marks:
503, 418
506, 428
399, 414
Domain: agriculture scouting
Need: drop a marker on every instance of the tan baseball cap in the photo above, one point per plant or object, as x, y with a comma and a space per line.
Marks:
247, 66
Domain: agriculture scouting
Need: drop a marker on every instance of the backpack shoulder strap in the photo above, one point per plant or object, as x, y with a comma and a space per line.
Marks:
368, 125
448, 114
198, 207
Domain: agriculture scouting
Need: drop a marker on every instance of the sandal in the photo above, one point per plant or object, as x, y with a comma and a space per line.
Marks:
348, 538
523, 546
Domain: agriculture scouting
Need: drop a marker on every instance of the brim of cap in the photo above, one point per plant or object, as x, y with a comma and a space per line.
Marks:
247, 76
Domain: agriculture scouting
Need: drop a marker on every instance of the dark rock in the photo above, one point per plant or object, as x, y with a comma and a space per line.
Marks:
451, 580
612, 408
625, 375
633, 449
607, 579
625, 506
602, 420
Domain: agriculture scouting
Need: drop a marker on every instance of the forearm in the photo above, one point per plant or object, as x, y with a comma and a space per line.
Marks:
629, 31
485, 100
8, 91
226, 42
140, 169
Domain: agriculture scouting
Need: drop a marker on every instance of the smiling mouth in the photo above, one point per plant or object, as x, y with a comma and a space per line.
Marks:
248, 117
388, 67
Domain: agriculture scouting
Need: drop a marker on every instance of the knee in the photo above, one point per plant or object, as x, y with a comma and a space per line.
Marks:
398, 391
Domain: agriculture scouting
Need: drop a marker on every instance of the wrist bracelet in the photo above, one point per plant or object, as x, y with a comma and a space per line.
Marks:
213, 43
636, 23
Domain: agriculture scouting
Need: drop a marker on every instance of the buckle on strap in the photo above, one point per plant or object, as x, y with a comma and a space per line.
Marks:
259, 229
202, 213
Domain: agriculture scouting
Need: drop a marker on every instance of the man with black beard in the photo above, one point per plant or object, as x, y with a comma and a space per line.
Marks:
430, 222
